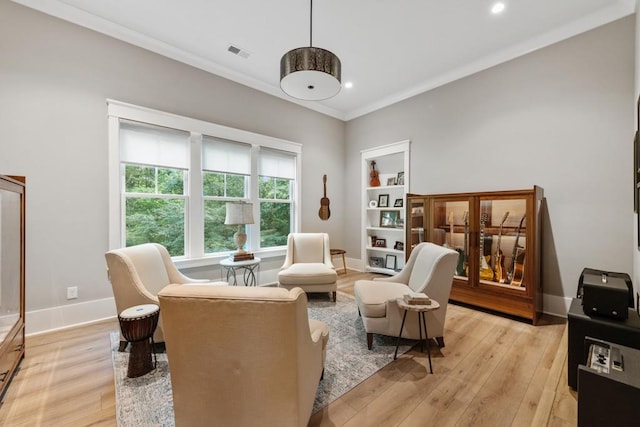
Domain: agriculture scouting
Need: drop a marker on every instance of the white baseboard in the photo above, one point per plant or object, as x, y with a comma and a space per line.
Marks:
556, 305
66, 316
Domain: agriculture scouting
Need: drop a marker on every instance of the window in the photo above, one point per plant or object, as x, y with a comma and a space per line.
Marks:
171, 177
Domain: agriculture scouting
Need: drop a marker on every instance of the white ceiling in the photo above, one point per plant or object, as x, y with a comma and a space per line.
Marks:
390, 49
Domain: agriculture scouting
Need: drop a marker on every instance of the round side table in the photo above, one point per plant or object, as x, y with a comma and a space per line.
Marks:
421, 309
248, 267
138, 323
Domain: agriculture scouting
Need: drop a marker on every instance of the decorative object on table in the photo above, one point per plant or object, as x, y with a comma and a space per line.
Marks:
246, 256
398, 203
376, 261
138, 323
390, 262
417, 298
380, 242
391, 181
400, 178
324, 213
310, 73
389, 218
374, 175
239, 213
373, 204
383, 201
399, 246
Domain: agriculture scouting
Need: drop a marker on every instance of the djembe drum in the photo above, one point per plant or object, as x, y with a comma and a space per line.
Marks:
138, 324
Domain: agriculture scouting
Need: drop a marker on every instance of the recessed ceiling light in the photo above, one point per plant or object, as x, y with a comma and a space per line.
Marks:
348, 85
497, 8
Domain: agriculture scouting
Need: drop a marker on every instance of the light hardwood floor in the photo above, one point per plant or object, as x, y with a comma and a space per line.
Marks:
494, 371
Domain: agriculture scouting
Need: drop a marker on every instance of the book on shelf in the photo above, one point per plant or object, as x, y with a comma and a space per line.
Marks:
247, 256
417, 298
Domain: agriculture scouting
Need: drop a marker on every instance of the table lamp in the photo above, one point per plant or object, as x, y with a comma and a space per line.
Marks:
239, 214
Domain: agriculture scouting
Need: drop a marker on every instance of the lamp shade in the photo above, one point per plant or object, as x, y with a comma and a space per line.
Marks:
310, 73
239, 213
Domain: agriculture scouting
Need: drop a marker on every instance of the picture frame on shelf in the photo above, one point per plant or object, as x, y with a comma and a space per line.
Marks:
398, 203
391, 181
383, 201
400, 178
373, 240
399, 246
388, 219
390, 262
375, 261
400, 223
380, 242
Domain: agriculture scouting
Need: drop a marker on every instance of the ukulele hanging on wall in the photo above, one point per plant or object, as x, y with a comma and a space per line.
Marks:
324, 213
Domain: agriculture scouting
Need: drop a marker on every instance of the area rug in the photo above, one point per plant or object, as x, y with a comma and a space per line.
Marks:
147, 400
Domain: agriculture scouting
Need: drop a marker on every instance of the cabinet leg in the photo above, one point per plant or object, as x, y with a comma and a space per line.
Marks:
440, 341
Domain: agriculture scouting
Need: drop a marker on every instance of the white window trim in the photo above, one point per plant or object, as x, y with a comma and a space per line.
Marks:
120, 110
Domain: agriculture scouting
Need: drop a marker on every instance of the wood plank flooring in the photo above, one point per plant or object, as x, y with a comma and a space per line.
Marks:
494, 371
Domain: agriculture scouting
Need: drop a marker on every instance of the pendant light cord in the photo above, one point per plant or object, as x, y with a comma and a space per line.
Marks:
311, 24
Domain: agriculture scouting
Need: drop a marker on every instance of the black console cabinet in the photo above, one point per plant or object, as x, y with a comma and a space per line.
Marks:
610, 399
623, 332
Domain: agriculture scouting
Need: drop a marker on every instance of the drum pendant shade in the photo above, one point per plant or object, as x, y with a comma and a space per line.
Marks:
310, 73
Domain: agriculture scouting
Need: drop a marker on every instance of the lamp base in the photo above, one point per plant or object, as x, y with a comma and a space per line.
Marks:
240, 238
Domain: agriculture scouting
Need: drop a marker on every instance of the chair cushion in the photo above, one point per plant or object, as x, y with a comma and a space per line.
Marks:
372, 296
307, 274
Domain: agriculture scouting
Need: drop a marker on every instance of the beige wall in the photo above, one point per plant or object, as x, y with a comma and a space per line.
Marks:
558, 117
55, 78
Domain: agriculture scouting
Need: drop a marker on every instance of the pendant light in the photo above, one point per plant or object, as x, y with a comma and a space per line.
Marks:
310, 73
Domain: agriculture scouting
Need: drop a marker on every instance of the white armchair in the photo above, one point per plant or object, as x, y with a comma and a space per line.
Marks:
308, 264
138, 273
242, 356
429, 270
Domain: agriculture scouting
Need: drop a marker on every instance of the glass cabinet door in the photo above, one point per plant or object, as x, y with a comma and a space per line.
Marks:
502, 245
451, 229
415, 227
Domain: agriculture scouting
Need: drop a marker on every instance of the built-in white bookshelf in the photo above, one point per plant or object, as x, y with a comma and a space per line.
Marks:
383, 207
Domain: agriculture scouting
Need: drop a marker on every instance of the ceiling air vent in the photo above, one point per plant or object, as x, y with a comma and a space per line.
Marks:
238, 51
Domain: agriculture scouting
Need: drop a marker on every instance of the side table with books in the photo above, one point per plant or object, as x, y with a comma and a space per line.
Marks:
245, 262
420, 303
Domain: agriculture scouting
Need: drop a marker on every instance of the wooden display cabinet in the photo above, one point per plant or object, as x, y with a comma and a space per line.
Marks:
497, 235
12, 269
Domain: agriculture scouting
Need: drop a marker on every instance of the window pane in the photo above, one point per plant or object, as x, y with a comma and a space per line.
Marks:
275, 224
170, 181
213, 184
143, 179
267, 188
217, 236
140, 179
235, 185
282, 189
151, 220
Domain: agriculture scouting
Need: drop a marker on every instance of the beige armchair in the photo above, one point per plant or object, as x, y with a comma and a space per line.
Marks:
308, 264
138, 273
242, 356
429, 270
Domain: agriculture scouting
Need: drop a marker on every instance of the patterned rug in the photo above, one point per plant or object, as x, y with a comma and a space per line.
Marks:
147, 400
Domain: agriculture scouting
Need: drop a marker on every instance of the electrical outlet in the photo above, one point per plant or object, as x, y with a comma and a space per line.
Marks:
72, 292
